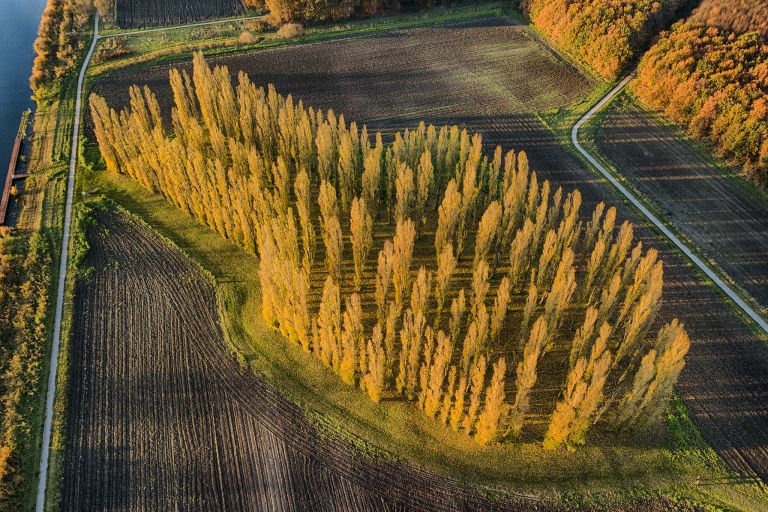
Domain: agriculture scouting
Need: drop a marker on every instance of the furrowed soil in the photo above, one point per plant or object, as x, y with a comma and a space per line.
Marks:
147, 13
492, 77
724, 216
162, 417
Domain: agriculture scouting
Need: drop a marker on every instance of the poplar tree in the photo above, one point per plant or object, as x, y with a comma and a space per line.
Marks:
526, 375
334, 247
420, 291
448, 216
487, 428
328, 323
487, 232
561, 292
425, 179
361, 235
500, 307
383, 277
446, 266
411, 335
405, 193
437, 374
458, 308
304, 208
393, 315
477, 379
459, 398
347, 166
445, 408
351, 341
519, 252
583, 335
372, 178
405, 235
375, 377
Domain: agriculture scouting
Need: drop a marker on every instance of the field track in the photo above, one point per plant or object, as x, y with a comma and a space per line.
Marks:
725, 383
148, 13
722, 216
163, 418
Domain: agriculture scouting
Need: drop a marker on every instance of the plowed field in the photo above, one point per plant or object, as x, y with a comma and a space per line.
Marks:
162, 417
722, 216
146, 13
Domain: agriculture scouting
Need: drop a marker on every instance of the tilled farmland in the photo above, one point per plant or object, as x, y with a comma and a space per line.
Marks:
148, 13
725, 219
163, 418
393, 82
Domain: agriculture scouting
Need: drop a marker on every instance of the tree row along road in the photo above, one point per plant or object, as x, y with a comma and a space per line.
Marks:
706, 269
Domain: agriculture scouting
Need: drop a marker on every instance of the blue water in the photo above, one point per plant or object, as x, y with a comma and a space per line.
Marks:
19, 20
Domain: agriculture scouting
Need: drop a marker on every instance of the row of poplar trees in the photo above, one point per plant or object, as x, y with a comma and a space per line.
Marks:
422, 269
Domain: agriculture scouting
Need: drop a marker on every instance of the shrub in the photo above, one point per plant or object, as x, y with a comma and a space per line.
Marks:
290, 30
245, 37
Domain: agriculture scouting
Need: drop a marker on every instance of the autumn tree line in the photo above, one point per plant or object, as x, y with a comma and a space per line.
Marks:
59, 40
710, 74
421, 270
737, 16
25, 275
604, 34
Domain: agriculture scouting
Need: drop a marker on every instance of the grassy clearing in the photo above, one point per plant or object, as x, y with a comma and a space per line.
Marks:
602, 472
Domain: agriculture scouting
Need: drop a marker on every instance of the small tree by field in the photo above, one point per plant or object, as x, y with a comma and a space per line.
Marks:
480, 236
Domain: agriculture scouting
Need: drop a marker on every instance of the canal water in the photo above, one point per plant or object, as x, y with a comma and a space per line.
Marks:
19, 20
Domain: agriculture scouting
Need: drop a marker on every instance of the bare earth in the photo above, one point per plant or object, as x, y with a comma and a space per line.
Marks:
147, 13
393, 80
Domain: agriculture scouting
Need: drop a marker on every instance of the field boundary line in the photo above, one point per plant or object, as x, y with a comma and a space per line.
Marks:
52, 374
176, 27
704, 267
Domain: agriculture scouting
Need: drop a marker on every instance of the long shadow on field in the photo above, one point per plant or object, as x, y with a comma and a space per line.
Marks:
724, 217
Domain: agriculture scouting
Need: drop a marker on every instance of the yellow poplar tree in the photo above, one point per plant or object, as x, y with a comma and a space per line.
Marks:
487, 428
361, 235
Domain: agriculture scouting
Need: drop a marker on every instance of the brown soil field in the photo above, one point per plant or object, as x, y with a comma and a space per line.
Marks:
146, 13
162, 417
394, 80
725, 218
